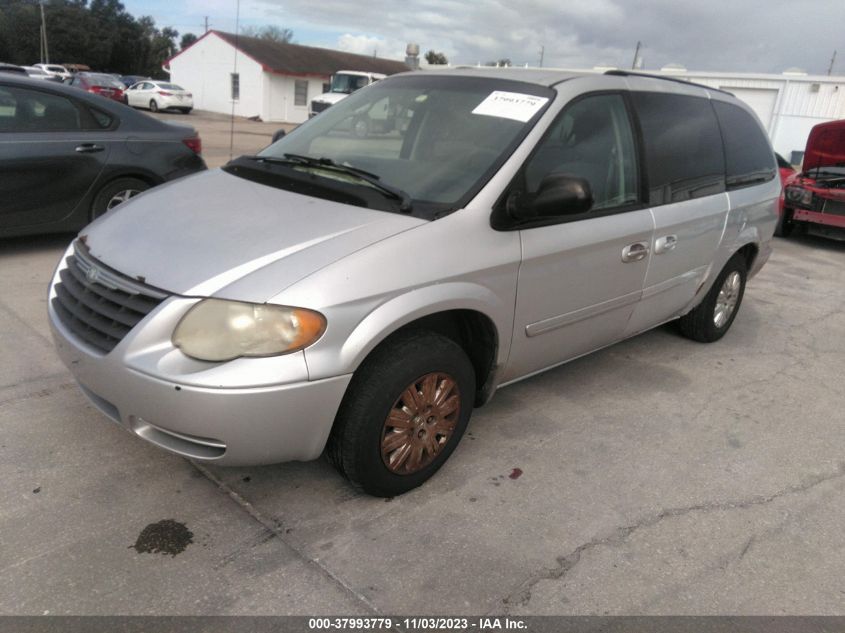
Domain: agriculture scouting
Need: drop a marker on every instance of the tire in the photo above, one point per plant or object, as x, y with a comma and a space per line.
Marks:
785, 225
153, 105
708, 321
108, 197
385, 460
186, 110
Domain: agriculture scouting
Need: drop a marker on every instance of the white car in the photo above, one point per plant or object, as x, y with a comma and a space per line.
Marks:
159, 95
38, 73
56, 70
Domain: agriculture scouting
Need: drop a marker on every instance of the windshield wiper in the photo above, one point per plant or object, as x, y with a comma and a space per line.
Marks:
405, 204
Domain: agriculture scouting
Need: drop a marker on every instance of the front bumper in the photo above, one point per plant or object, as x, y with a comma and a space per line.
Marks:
244, 412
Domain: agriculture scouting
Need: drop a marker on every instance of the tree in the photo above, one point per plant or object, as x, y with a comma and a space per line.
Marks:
187, 40
277, 34
271, 33
433, 57
99, 33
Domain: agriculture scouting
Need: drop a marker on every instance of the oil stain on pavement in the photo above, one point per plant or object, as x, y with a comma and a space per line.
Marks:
165, 537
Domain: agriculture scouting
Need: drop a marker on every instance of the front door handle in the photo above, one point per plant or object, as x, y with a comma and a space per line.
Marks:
665, 243
634, 252
89, 148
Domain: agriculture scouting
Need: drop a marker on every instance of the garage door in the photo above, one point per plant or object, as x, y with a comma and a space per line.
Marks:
761, 100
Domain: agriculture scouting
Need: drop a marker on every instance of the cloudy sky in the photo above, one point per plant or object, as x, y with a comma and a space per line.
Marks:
727, 35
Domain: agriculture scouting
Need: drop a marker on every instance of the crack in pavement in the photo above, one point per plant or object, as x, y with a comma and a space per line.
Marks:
274, 527
522, 595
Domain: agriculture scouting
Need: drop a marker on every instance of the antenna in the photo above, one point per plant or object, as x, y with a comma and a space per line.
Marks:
832, 61
234, 74
206, 24
637, 63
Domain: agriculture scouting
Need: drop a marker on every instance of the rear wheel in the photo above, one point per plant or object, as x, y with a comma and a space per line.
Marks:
403, 414
115, 193
153, 105
186, 110
711, 319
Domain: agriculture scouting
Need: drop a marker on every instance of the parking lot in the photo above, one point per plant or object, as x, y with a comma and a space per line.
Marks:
658, 476
216, 130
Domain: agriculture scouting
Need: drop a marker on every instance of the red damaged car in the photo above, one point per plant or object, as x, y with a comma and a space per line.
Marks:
814, 199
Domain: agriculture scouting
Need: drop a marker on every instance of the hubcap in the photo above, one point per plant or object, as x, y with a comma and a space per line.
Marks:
420, 423
726, 301
120, 197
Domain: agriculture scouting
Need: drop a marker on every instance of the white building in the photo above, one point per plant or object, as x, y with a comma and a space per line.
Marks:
788, 105
262, 78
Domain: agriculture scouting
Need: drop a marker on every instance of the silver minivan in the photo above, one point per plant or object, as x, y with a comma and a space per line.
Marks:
359, 295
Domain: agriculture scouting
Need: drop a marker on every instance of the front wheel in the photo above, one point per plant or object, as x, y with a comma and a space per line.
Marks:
404, 413
711, 319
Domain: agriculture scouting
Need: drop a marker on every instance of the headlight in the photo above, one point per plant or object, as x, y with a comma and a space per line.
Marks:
799, 195
218, 330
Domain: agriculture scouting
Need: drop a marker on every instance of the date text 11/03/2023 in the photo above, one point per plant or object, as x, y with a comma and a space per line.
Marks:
417, 623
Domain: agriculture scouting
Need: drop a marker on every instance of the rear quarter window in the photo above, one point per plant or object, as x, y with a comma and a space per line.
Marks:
684, 155
748, 154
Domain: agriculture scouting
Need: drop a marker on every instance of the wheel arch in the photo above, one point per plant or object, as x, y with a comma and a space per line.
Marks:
469, 314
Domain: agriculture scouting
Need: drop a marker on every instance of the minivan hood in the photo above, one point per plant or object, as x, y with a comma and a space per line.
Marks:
215, 234
825, 146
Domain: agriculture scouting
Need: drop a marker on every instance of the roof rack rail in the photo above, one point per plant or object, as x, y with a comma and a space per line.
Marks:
626, 73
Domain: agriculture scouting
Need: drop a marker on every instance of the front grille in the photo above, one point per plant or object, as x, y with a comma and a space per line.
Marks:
836, 207
97, 304
319, 106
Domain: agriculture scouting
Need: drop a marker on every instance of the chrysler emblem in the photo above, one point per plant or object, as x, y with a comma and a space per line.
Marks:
92, 274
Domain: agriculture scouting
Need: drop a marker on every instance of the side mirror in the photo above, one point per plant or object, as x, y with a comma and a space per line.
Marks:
278, 134
562, 194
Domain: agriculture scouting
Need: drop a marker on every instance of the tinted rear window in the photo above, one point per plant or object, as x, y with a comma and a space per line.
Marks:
684, 155
104, 80
748, 154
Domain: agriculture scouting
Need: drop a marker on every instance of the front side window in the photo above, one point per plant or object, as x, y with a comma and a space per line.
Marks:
748, 154
300, 97
24, 110
683, 148
591, 139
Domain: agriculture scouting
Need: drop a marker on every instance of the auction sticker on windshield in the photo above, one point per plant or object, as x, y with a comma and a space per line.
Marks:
510, 105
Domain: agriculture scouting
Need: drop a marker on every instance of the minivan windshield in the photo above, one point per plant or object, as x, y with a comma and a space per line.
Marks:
436, 139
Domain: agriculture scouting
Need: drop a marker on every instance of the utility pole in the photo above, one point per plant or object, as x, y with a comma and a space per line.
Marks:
832, 61
636, 56
542, 54
45, 53
206, 24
